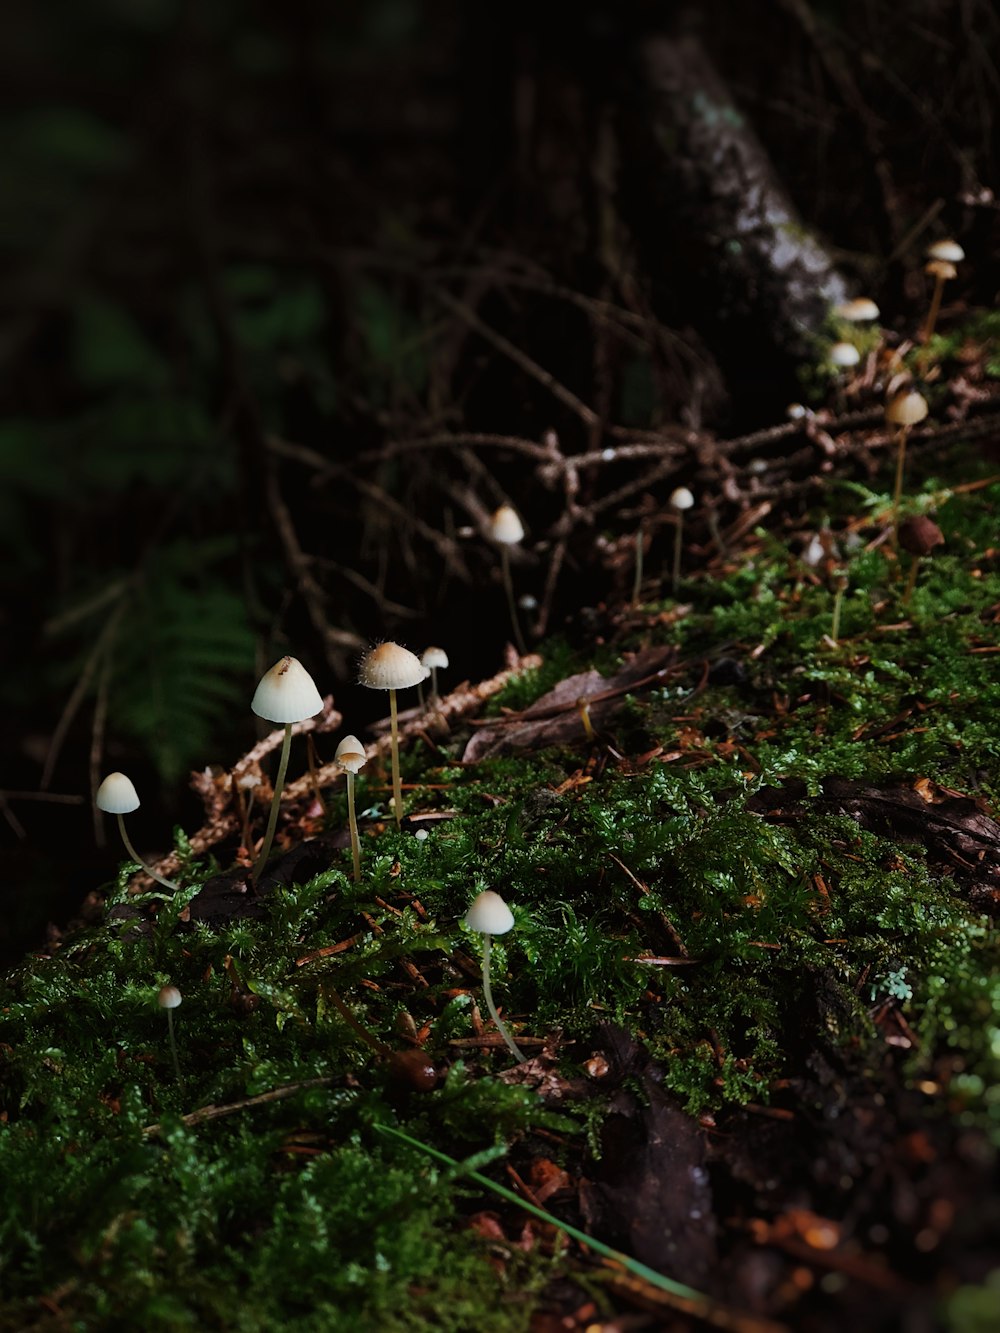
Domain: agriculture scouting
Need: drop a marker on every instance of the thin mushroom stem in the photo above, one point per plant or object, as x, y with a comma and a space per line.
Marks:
911, 582
434, 682
501, 1027
932, 314
353, 821
420, 695
173, 1047
640, 542
397, 786
897, 493
160, 879
508, 587
272, 819
678, 539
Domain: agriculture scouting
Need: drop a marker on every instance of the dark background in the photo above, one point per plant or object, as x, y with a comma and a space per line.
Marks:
225, 224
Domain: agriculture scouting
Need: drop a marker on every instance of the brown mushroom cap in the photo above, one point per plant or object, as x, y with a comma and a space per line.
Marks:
940, 268
919, 535
906, 408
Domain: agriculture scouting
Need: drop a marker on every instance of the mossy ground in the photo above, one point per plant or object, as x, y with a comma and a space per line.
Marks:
801, 931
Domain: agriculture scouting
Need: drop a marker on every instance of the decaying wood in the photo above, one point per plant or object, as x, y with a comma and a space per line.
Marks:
710, 192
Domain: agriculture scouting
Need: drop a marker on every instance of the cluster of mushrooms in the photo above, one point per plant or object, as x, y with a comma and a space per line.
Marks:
287, 694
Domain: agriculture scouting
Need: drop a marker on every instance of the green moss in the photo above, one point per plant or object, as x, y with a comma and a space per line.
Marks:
799, 931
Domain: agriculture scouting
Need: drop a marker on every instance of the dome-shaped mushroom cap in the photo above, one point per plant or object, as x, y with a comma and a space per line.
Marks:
117, 795
169, 997
287, 693
434, 657
941, 268
919, 535
906, 409
506, 527
859, 311
950, 251
844, 354
489, 914
391, 667
350, 754
682, 498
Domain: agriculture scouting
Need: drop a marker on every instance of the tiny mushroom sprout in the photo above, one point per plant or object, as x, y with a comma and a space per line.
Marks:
392, 667
860, 310
351, 757
680, 500
942, 257
433, 658
117, 796
507, 530
843, 355
489, 915
919, 535
169, 998
905, 410
286, 694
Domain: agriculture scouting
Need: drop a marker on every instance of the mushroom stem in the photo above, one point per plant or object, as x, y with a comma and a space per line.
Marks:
911, 582
397, 786
353, 821
583, 708
501, 1028
272, 819
160, 879
898, 488
420, 695
678, 539
434, 682
838, 602
173, 1047
640, 542
508, 587
932, 314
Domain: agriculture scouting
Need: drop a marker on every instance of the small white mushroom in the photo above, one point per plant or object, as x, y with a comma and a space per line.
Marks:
680, 500
117, 796
489, 915
169, 998
350, 755
392, 667
287, 693
433, 658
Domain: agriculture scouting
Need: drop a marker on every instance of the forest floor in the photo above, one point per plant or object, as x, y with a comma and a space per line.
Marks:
748, 837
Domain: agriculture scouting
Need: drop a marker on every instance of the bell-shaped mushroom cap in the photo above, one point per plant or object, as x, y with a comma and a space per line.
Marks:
941, 268
919, 535
950, 251
682, 498
169, 997
505, 526
859, 311
350, 754
489, 914
116, 795
391, 667
434, 657
906, 408
844, 354
287, 693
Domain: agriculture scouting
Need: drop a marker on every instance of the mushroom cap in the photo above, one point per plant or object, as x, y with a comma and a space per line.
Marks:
919, 535
844, 354
350, 754
859, 311
941, 268
506, 527
682, 498
797, 411
117, 795
286, 693
169, 997
906, 409
434, 657
391, 667
489, 914
948, 250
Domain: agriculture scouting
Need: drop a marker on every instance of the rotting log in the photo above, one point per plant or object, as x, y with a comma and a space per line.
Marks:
720, 232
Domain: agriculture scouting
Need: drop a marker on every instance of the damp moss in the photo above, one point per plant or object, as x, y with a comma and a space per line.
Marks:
701, 893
